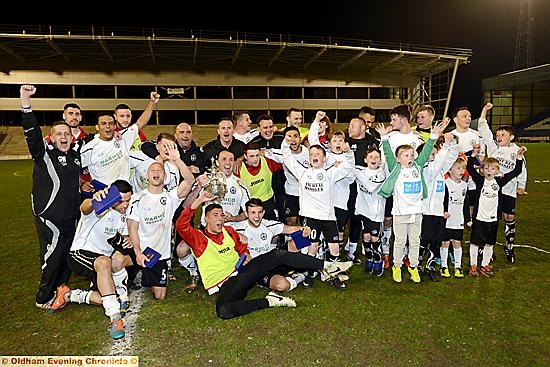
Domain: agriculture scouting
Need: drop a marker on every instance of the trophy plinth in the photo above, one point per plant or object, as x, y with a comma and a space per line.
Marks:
217, 185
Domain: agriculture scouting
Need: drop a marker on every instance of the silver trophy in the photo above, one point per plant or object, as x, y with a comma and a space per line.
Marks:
217, 185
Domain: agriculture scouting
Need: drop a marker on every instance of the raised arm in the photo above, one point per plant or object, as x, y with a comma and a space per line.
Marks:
187, 176
484, 130
313, 135
31, 129
388, 155
447, 155
146, 115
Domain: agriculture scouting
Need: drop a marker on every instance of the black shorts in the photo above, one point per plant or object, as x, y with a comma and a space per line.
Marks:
157, 276
371, 227
453, 234
473, 197
81, 262
507, 204
388, 207
342, 216
327, 227
292, 206
281, 270
270, 209
433, 228
484, 233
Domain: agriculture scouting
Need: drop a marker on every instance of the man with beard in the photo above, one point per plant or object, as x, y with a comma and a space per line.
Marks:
107, 158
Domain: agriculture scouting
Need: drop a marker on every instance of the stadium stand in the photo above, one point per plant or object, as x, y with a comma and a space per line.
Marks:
536, 128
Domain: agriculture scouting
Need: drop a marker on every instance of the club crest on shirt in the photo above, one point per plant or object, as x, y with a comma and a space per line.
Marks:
513, 156
62, 159
415, 174
233, 190
494, 186
77, 161
320, 176
163, 201
353, 147
193, 157
263, 236
117, 144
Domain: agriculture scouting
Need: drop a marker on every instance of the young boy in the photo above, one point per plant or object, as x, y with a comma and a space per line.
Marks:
316, 205
486, 213
258, 233
406, 183
455, 202
370, 207
341, 188
441, 159
505, 152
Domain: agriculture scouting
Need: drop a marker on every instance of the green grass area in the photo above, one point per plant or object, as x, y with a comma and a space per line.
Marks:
375, 322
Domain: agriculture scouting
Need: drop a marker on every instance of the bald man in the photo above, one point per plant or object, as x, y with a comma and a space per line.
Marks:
190, 152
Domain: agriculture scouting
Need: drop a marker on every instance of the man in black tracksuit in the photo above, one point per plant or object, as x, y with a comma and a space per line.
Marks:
55, 201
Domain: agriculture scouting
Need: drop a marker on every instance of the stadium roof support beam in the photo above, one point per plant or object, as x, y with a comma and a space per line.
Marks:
106, 50
237, 52
451, 86
351, 60
195, 51
277, 54
315, 57
388, 62
424, 65
152, 50
11, 52
58, 50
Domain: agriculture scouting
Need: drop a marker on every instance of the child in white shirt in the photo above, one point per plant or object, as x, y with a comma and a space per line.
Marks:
406, 182
370, 207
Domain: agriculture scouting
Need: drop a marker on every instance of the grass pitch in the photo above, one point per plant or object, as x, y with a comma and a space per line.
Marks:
375, 322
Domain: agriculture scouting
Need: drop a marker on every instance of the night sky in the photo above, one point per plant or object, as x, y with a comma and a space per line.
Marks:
488, 27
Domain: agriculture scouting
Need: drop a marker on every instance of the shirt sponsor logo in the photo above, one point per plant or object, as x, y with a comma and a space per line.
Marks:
223, 250
314, 186
411, 187
440, 186
257, 182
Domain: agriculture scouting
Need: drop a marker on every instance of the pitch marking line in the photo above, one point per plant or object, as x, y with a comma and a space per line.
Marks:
123, 347
524, 246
